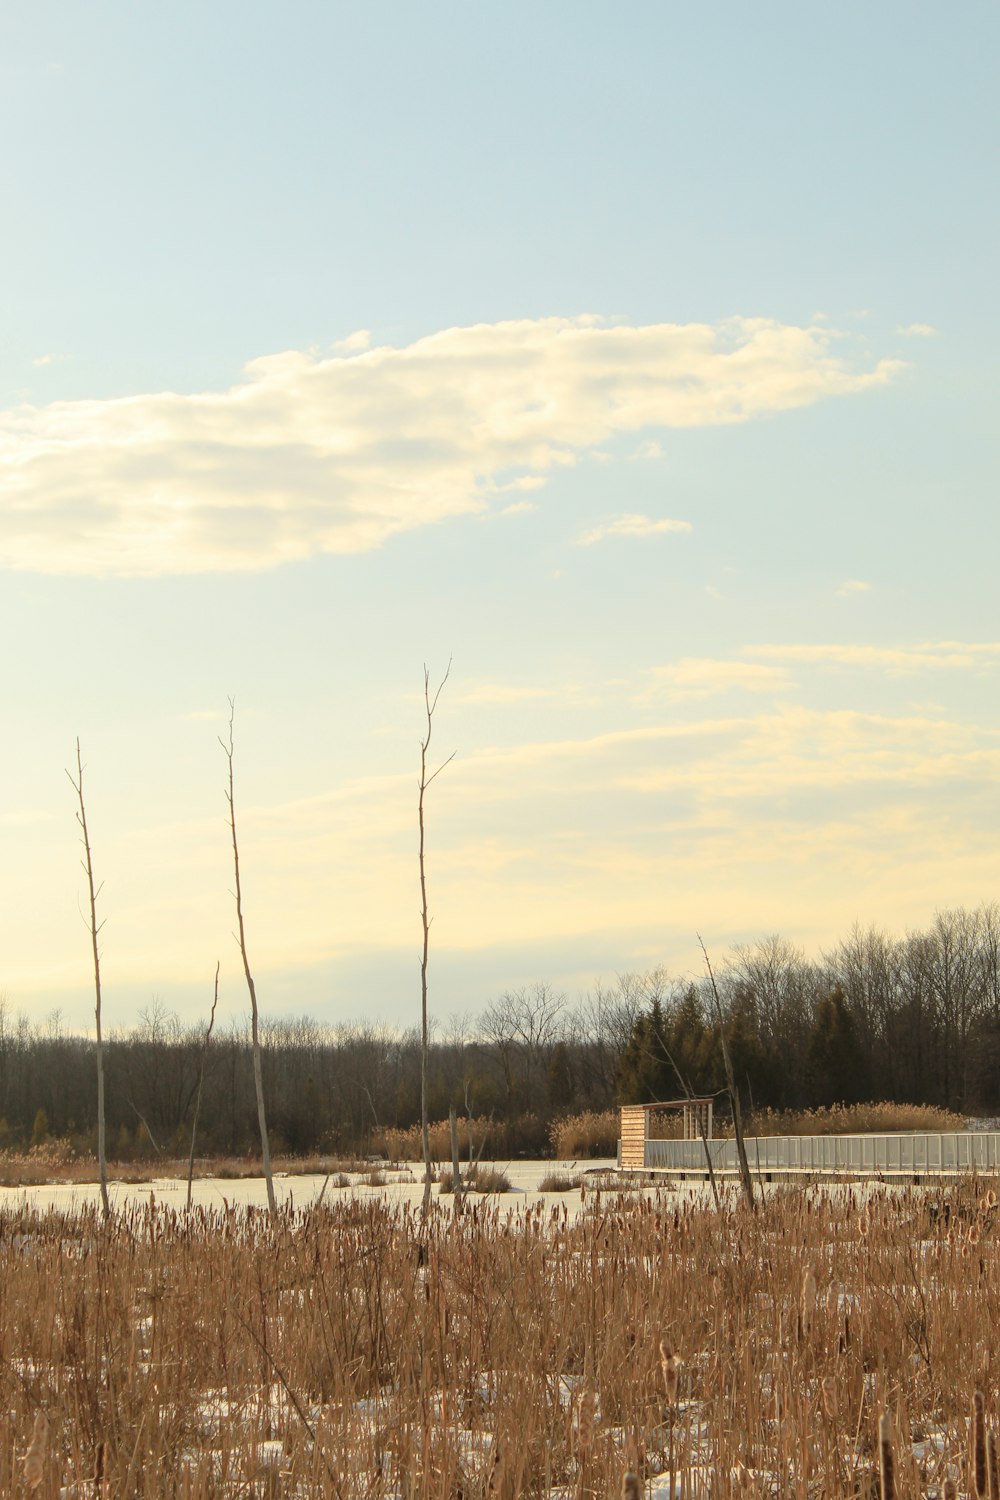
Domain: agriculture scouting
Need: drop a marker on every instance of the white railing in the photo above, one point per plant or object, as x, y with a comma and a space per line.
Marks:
955, 1151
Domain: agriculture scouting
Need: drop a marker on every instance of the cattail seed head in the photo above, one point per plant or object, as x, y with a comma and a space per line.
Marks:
34, 1459
497, 1470
586, 1404
829, 1392
886, 1466
807, 1302
992, 1469
631, 1486
979, 1475
670, 1364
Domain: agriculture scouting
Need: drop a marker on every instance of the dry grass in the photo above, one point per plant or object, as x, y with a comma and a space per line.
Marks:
57, 1161
478, 1179
356, 1350
590, 1133
560, 1182
854, 1119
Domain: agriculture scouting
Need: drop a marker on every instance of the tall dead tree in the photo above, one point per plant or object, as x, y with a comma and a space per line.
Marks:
430, 704
746, 1181
258, 1072
95, 928
201, 1080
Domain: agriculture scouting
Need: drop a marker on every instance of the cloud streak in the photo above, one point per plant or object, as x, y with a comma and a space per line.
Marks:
631, 526
316, 454
929, 655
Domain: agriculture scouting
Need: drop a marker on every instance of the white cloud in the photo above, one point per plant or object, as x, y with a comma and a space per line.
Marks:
49, 359
630, 525
917, 330
518, 508
853, 586
312, 454
649, 450
355, 343
700, 677
931, 654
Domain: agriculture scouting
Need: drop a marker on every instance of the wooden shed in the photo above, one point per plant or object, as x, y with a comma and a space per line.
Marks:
635, 1125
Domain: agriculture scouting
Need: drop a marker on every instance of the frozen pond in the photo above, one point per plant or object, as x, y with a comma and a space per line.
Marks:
403, 1184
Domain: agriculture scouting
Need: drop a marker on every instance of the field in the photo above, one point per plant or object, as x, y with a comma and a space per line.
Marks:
549, 1347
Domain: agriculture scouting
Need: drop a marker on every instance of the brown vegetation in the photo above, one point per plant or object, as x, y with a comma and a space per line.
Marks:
356, 1349
854, 1119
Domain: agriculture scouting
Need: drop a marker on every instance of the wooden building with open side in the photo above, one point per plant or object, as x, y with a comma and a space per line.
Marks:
636, 1122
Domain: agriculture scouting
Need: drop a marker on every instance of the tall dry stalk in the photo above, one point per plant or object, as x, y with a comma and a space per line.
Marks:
258, 1072
746, 1181
430, 704
95, 928
201, 1079
456, 1166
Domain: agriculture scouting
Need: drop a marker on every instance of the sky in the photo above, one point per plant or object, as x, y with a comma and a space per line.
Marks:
638, 360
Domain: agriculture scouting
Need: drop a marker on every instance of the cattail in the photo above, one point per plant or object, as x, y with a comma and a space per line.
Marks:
35, 1456
864, 1223
631, 1486
497, 1471
950, 1490
807, 1302
979, 1444
670, 1364
828, 1386
886, 1476
992, 1471
585, 1408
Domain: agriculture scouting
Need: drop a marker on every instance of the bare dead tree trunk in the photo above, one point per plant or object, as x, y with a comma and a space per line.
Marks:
689, 1094
430, 704
456, 1169
258, 1074
746, 1181
201, 1080
95, 928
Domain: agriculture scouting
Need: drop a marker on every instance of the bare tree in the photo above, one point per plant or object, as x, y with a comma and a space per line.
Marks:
258, 1074
95, 928
746, 1181
201, 1080
430, 704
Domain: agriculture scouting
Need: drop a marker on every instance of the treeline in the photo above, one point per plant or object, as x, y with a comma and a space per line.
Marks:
913, 1019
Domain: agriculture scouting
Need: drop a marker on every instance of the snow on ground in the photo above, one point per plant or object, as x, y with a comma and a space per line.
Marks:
402, 1185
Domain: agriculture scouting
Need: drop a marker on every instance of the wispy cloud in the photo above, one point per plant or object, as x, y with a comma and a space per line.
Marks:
338, 453
853, 586
630, 525
701, 677
518, 508
49, 359
917, 330
961, 655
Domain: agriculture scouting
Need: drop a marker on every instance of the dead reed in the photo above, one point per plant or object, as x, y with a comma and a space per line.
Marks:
357, 1349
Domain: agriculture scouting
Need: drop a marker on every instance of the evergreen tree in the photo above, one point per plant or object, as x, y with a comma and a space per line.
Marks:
838, 1070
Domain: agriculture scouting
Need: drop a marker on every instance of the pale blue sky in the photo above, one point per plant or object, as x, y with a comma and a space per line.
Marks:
739, 709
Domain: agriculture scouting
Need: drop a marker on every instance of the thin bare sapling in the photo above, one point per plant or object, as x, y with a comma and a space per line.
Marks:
95, 929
